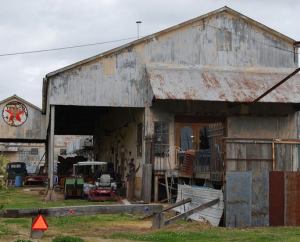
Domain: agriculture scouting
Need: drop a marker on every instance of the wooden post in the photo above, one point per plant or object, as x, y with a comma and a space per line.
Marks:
167, 187
51, 151
155, 188
36, 234
146, 183
158, 221
130, 190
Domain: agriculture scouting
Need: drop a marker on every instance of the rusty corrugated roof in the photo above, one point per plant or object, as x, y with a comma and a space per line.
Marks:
220, 85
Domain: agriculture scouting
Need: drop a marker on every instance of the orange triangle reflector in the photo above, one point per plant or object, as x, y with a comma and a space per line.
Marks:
40, 223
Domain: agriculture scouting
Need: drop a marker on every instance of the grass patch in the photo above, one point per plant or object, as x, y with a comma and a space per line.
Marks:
68, 239
20, 200
15, 221
215, 234
124, 226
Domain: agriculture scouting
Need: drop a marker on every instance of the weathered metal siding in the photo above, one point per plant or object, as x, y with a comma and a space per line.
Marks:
120, 78
238, 199
33, 128
276, 188
292, 198
275, 198
264, 127
205, 42
260, 199
94, 84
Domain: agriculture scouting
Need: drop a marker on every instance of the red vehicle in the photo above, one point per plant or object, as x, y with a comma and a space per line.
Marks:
104, 190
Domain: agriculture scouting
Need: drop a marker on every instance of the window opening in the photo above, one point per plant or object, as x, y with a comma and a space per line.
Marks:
34, 151
62, 151
203, 134
161, 131
186, 138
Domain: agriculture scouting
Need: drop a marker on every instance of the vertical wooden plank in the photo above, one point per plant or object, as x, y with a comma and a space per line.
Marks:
276, 198
241, 154
292, 198
155, 188
146, 183
231, 153
260, 199
294, 157
238, 199
266, 153
51, 160
253, 152
236, 151
279, 157
288, 157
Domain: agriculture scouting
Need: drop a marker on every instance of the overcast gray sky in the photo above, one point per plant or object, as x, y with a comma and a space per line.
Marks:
27, 25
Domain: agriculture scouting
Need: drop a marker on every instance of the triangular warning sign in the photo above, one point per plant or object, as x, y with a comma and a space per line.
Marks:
40, 223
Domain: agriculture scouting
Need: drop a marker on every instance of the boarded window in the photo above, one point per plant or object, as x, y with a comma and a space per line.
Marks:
34, 151
162, 138
224, 42
108, 66
139, 139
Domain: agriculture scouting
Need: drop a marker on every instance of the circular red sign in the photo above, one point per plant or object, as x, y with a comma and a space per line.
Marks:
14, 113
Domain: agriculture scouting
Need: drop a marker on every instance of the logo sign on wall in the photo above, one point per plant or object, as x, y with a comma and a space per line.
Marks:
15, 113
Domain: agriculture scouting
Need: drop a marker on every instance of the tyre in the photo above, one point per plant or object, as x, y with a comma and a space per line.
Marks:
89, 198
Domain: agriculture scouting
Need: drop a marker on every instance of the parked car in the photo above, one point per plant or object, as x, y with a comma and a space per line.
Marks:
14, 169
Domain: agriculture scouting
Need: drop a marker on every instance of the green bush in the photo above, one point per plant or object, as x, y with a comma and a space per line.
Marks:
68, 239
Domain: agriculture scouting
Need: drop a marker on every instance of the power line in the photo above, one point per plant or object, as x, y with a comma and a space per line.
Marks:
86, 45
64, 48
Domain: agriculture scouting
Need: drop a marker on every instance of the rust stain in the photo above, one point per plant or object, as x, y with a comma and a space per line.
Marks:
220, 85
292, 198
276, 198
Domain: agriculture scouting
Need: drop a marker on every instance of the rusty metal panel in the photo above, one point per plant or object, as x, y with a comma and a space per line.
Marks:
260, 199
238, 199
292, 198
276, 198
187, 168
211, 85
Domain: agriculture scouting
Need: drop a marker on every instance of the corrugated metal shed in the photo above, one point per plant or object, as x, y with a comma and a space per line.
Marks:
200, 196
220, 85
